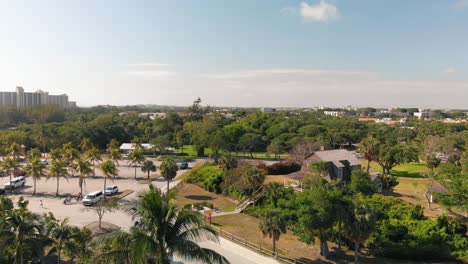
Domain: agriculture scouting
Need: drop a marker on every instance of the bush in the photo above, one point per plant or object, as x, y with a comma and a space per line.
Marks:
242, 181
207, 176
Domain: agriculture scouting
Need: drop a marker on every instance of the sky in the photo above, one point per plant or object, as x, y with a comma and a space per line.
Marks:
286, 53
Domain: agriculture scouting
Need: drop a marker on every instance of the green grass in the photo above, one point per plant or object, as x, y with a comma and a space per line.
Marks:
191, 152
408, 170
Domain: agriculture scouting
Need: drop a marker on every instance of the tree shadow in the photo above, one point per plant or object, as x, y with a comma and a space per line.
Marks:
406, 174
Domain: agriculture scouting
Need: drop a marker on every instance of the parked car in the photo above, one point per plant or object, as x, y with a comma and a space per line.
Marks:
183, 166
2, 191
15, 183
92, 198
111, 190
44, 162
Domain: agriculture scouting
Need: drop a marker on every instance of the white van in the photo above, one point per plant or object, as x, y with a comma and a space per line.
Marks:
92, 198
16, 183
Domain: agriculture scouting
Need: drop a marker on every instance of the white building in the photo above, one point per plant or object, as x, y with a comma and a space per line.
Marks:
22, 99
334, 113
421, 114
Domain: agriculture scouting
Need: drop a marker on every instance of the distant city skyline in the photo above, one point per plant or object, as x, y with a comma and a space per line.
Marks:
294, 53
21, 99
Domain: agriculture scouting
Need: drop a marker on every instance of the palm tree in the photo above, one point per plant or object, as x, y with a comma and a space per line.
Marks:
148, 167
273, 225
94, 155
55, 154
114, 155
10, 165
369, 149
86, 144
168, 170
109, 170
61, 235
136, 158
228, 162
21, 233
164, 230
83, 167
34, 153
36, 169
361, 223
14, 150
69, 154
58, 170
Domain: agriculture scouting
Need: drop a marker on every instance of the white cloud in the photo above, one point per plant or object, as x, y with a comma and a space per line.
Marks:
461, 4
321, 12
449, 70
147, 64
154, 73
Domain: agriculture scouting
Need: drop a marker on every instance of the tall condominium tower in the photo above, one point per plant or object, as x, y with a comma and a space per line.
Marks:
22, 99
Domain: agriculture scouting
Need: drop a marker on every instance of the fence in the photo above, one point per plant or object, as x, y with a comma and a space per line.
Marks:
256, 247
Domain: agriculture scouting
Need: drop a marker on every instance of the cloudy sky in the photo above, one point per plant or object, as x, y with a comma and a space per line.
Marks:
239, 53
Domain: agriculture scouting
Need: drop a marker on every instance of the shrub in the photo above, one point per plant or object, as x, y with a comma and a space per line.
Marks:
207, 176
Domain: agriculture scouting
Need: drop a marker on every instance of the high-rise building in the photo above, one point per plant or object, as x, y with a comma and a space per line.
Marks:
20, 99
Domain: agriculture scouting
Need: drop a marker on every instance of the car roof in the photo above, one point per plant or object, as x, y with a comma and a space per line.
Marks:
111, 186
94, 193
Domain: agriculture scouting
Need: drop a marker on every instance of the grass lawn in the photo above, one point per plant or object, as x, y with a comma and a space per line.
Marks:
191, 152
410, 170
246, 226
411, 190
191, 193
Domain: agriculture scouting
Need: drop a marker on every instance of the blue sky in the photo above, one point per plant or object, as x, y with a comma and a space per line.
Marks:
240, 53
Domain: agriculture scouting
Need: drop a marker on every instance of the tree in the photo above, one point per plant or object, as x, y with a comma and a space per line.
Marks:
36, 169
360, 225
301, 150
34, 153
85, 145
109, 170
182, 138
369, 149
168, 170
136, 158
315, 217
361, 183
94, 155
432, 162
61, 235
228, 162
148, 167
104, 206
10, 165
55, 154
391, 155
114, 155
163, 230
273, 225
57, 170
250, 142
216, 143
275, 148
20, 233
83, 167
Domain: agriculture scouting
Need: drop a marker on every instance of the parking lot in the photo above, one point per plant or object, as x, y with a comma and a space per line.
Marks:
78, 214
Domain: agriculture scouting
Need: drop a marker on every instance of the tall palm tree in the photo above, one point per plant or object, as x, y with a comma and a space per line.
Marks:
34, 153
136, 158
14, 150
85, 145
148, 167
94, 155
114, 155
109, 170
61, 235
164, 231
36, 169
21, 232
83, 168
168, 170
361, 223
55, 154
369, 149
69, 154
273, 225
57, 170
10, 165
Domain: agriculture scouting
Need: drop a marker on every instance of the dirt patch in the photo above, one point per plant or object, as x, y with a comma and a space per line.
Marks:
191, 194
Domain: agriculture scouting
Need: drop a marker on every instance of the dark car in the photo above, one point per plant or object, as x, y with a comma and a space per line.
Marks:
2, 191
183, 166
